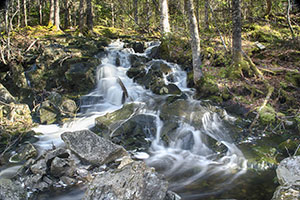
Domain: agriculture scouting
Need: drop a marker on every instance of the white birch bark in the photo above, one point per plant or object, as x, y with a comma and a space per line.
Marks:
195, 41
164, 17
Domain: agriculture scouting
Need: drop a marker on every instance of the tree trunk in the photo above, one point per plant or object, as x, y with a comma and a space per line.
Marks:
288, 18
269, 7
56, 15
67, 14
19, 14
206, 23
51, 14
81, 19
25, 12
89, 14
6, 17
135, 14
195, 41
112, 14
236, 32
164, 17
41, 11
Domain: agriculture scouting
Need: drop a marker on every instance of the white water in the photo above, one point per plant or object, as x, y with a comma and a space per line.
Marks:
183, 163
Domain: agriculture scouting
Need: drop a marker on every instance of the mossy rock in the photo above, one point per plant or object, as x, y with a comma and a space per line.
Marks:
110, 121
293, 78
267, 115
264, 34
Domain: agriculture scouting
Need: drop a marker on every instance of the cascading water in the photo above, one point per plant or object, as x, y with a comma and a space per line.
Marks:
189, 159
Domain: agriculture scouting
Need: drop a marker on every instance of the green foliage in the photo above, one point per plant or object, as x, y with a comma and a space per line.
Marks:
267, 115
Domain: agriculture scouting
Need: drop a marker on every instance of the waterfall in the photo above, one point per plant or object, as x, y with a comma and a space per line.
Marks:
191, 158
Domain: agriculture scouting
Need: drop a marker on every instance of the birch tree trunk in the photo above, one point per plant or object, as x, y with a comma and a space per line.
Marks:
89, 15
195, 41
19, 13
41, 11
56, 15
51, 14
25, 12
164, 17
236, 32
289, 19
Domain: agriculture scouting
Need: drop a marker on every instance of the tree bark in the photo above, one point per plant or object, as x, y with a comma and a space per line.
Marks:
67, 14
112, 14
206, 22
41, 11
195, 41
288, 18
19, 14
81, 19
89, 14
269, 7
164, 17
51, 14
135, 14
236, 32
25, 12
56, 15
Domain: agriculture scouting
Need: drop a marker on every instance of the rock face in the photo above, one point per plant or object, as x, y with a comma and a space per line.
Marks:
288, 171
135, 132
11, 191
92, 148
134, 181
288, 174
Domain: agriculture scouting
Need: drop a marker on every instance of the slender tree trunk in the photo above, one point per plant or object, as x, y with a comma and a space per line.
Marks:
288, 18
236, 32
149, 13
164, 17
56, 15
6, 17
195, 41
89, 14
19, 14
269, 7
41, 11
25, 12
81, 20
112, 14
135, 14
51, 14
206, 13
67, 14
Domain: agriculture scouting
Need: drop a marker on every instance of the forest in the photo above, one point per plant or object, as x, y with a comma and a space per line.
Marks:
205, 92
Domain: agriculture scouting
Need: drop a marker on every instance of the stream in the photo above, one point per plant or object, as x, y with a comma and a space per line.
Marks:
199, 159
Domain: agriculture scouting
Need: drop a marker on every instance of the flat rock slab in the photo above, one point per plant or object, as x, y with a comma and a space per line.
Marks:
288, 171
135, 181
92, 148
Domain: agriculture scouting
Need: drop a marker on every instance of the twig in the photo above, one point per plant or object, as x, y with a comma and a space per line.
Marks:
287, 151
296, 150
31, 45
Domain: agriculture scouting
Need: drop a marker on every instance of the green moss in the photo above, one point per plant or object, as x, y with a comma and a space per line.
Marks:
267, 115
293, 78
264, 34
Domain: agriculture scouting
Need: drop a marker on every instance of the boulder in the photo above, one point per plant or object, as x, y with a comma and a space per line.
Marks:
5, 95
109, 122
48, 113
11, 191
91, 148
23, 153
288, 174
136, 133
288, 171
287, 193
135, 181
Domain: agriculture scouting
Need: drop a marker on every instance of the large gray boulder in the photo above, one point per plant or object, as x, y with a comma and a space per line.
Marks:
91, 148
288, 174
11, 191
135, 181
288, 171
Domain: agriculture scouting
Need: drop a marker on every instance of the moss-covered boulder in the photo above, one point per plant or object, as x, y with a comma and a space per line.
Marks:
110, 121
5, 95
267, 115
23, 153
136, 133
